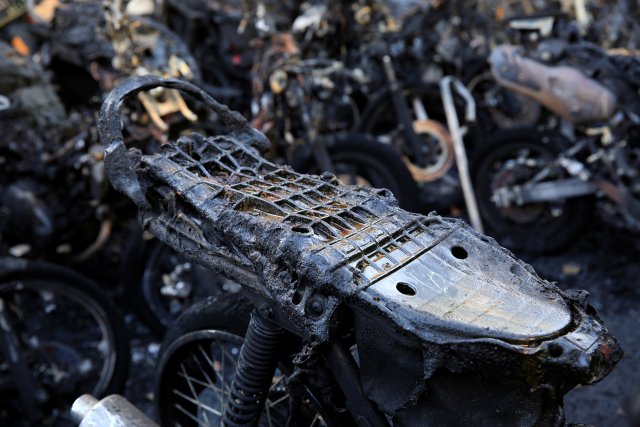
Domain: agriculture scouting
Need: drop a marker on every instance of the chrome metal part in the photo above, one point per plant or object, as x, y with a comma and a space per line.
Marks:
112, 411
543, 192
457, 133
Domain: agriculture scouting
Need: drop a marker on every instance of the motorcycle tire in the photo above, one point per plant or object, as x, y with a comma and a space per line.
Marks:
360, 159
91, 355
189, 359
550, 228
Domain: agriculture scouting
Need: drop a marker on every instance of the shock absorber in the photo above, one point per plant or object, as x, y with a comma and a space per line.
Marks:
253, 377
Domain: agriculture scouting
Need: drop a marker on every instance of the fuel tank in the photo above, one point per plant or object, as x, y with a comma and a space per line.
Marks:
564, 90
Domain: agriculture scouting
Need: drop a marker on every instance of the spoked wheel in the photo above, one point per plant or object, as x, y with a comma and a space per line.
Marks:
197, 364
515, 158
69, 336
360, 160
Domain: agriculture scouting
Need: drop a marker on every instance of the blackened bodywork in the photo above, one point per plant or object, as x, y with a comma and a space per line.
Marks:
451, 328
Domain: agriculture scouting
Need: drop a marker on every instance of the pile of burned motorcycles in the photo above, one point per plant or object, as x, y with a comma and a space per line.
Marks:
262, 171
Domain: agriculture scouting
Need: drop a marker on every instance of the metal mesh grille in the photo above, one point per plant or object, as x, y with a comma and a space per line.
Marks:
207, 171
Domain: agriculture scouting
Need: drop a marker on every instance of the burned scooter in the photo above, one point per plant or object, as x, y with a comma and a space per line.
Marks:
353, 311
536, 189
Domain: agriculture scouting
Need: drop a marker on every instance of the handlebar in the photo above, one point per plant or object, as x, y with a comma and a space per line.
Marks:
121, 163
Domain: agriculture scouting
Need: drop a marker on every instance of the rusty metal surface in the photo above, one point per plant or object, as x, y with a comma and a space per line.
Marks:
296, 238
564, 90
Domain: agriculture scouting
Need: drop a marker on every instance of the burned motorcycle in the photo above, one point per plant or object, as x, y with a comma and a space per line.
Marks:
413, 123
353, 311
220, 39
42, 165
537, 190
42, 369
163, 282
449, 42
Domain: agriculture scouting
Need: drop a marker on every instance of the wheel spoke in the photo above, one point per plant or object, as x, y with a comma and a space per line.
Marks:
275, 384
197, 381
279, 400
198, 403
210, 362
221, 390
268, 416
189, 383
222, 402
192, 402
313, 421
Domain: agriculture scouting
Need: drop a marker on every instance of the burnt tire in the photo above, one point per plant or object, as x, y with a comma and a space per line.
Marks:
229, 312
539, 235
29, 286
365, 158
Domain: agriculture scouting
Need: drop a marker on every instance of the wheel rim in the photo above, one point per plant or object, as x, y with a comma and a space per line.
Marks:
196, 374
440, 152
78, 355
442, 187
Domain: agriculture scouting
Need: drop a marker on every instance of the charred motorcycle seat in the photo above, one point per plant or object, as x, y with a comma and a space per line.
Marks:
562, 89
431, 299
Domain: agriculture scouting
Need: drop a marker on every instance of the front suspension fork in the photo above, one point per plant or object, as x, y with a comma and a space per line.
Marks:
402, 112
254, 374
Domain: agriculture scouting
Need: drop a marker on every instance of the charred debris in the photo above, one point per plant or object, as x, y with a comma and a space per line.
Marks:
334, 92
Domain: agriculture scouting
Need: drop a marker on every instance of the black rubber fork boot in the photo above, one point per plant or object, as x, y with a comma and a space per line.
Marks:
253, 377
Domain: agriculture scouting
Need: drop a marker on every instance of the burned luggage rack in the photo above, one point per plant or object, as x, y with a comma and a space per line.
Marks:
218, 168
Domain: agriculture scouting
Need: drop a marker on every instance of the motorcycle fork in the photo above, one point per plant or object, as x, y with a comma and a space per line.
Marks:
29, 392
402, 111
254, 374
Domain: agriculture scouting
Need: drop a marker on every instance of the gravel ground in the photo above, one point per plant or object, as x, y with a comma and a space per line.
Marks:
605, 262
